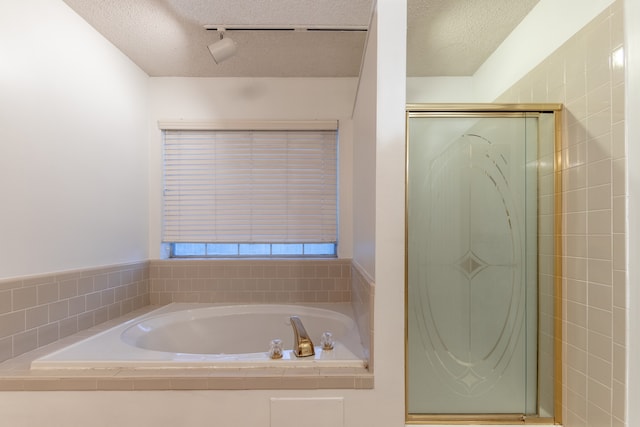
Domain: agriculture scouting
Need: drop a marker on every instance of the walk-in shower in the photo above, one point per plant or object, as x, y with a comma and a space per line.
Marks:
482, 263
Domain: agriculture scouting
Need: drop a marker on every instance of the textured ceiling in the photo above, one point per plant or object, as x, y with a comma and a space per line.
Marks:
454, 37
168, 38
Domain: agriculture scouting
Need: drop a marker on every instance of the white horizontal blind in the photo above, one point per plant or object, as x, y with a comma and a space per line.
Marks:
250, 186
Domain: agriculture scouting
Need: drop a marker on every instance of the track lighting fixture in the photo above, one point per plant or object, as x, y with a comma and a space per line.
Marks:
223, 49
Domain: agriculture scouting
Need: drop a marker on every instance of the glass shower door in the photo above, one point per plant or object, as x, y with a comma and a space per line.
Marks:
472, 264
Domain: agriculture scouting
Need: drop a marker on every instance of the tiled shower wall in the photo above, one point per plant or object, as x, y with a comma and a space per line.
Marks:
36, 311
586, 74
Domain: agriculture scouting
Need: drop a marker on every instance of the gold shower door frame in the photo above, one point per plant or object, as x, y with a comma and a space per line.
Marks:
497, 110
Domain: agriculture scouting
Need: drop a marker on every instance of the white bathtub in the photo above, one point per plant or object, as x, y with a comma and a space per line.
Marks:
183, 335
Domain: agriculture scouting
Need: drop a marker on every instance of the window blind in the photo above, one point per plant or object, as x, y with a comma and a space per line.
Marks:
250, 186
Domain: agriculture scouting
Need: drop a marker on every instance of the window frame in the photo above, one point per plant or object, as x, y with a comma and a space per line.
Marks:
331, 252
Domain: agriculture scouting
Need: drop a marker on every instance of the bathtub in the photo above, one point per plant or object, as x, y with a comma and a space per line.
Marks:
182, 335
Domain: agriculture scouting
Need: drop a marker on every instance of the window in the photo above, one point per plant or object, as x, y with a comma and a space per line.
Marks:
231, 193
252, 249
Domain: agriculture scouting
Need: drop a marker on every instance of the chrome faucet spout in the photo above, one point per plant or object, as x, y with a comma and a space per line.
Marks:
302, 344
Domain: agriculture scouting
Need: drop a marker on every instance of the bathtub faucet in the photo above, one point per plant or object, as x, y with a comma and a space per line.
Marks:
302, 345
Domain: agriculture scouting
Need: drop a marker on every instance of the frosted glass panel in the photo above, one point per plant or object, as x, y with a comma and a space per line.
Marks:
472, 265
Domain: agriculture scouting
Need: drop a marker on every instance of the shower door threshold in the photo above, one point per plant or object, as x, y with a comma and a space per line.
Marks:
484, 420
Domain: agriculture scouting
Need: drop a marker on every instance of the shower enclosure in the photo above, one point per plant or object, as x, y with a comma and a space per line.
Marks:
482, 263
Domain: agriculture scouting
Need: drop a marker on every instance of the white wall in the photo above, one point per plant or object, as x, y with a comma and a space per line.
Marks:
229, 408
73, 144
208, 99
364, 155
390, 212
424, 90
552, 22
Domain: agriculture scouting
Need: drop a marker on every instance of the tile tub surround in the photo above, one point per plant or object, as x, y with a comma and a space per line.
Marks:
250, 280
38, 310
285, 281
362, 293
15, 374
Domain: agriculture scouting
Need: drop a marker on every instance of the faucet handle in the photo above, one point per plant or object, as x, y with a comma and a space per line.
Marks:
275, 349
327, 341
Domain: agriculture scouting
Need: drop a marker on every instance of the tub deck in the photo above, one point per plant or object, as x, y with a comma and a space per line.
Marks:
191, 335
16, 374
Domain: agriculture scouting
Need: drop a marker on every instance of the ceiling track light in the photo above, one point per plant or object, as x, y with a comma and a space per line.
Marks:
285, 28
224, 48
